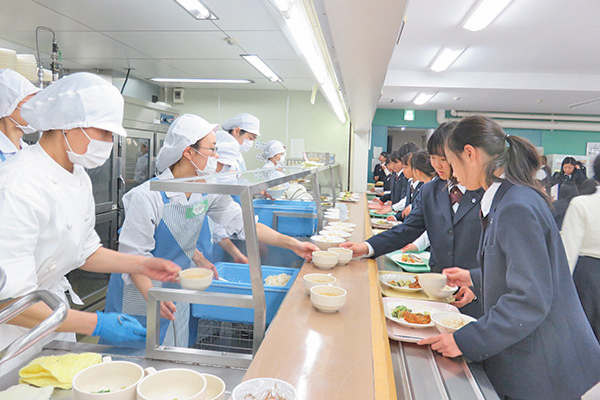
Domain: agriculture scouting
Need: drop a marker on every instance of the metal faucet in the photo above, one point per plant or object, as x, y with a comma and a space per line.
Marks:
47, 326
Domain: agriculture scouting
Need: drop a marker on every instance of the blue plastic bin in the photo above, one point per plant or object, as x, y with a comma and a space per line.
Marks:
238, 276
291, 226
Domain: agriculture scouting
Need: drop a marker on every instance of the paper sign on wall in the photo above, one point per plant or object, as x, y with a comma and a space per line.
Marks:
296, 148
377, 151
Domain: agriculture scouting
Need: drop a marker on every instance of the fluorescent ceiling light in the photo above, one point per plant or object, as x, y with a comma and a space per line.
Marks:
423, 98
197, 9
201, 80
584, 103
445, 58
303, 34
483, 13
263, 68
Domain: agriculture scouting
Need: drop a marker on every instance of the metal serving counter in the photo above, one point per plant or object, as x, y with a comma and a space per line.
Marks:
231, 376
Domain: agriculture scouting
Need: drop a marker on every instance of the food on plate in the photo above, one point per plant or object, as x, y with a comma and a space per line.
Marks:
406, 283
23, 391
349, 196
277, 280
455, 323
411, 259
57, 371
403, 312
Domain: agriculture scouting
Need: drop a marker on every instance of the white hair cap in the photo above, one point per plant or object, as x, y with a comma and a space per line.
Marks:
183, 132
80, 100
271, 149
244, 121
14, 87
228, 148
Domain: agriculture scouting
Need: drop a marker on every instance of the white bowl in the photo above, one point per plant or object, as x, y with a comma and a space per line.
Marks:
324, 259
196, 278
118, 379
432, 284
331, 218
259, 387
344, 255
317, 279
338, 228
326, 242
344, 224
172, 383
327, 298
442, 320
341, 234
215, 387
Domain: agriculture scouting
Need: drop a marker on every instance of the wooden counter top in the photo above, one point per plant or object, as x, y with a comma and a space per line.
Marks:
344, 355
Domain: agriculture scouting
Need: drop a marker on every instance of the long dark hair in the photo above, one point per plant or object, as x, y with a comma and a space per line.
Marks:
568, 160
420, 160
516, 156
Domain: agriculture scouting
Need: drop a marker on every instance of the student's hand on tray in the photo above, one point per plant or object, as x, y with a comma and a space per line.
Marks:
458, 276
358, 249
391, 218
410, 248
463, 297
443, 344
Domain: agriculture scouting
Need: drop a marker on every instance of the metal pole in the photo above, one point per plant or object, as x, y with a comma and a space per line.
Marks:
317, 193
256, 278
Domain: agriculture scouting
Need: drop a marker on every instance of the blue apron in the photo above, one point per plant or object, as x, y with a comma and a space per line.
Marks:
179, 232
2, 157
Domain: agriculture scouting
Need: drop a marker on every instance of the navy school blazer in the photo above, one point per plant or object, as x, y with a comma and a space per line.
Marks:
397, 190
534, 339
453, 237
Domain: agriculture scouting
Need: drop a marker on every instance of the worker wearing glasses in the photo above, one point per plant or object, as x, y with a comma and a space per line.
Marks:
168, 225
245, 128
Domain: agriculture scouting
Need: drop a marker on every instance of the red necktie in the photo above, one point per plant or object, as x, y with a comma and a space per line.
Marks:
455, 195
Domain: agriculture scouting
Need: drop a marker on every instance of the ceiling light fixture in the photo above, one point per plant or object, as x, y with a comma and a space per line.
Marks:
422, 98
483, 13
197, 9
262, 67
200, 80
584, 103
445, 58
304, 34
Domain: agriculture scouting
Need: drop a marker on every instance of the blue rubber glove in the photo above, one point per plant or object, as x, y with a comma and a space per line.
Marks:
120, 330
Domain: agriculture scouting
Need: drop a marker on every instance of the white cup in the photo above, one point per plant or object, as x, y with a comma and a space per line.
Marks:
111, 380
172, 383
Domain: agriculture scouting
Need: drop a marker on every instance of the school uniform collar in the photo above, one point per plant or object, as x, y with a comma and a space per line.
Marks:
488, 198
414, 184
457, 185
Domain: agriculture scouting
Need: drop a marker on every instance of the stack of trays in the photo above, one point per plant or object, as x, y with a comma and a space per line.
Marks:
27, 66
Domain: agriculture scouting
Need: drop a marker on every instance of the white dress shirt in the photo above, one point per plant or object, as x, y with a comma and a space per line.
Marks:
581, 228
488, 198
401, 205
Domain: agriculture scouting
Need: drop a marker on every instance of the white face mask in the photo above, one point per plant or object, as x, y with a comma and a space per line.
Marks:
209, 168
96, 154
245, 146
27, 129
281, 162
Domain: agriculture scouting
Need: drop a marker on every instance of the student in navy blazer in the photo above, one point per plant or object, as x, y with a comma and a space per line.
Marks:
533, 339
453, 230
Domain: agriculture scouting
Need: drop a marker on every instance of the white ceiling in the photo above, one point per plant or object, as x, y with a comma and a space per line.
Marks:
158, 38
537, 56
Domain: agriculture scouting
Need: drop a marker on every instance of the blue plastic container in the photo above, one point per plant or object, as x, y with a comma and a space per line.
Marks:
238, 276
291, 226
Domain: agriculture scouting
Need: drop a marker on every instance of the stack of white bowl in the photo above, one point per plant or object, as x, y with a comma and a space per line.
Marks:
8, 59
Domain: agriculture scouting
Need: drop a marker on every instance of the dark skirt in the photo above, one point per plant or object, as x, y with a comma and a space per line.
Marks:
587, 282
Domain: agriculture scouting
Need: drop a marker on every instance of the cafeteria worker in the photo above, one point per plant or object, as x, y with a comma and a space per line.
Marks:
534, 339
167, 224
15, 90
47, 211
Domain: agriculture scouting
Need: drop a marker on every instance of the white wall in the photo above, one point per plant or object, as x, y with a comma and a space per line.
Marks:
283, 115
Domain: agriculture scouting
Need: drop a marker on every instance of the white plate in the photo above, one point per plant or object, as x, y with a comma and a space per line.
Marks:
384, 279
415, 308
398, 258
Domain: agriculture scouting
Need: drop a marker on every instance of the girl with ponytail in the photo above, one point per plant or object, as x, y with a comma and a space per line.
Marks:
534, 339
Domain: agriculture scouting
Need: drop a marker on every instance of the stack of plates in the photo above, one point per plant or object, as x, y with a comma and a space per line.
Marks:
27, 66
8, 59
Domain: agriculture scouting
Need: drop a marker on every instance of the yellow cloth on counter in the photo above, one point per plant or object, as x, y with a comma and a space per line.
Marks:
57, 371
